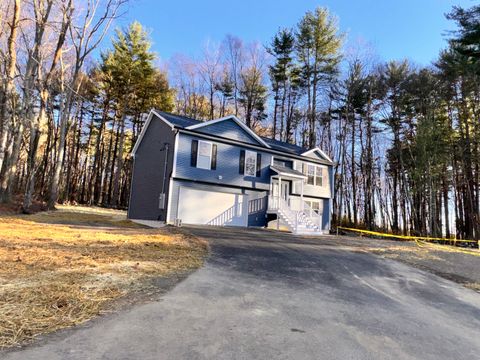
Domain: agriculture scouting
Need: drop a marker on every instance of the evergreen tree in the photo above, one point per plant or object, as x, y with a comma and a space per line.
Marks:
467, 40
318, 52
394, 80
253, 96
135, 86
281, 73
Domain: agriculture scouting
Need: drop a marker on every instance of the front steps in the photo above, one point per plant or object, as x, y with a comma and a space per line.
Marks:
299, 226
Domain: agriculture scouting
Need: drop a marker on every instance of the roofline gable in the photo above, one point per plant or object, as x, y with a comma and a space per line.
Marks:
206, 123
271, 150
145, 127
320, 151
239, 123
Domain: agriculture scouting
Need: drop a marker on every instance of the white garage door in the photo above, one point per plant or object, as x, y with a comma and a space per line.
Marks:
212, 208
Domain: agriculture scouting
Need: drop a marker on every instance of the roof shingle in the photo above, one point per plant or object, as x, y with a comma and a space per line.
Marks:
183, 122
177, 120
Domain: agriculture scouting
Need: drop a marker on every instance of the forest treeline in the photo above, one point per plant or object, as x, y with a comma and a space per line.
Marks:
405, 138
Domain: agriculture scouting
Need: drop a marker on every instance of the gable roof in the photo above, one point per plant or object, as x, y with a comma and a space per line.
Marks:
283, 170
285, 147
187, 123
177, 120
320, 151
237, 121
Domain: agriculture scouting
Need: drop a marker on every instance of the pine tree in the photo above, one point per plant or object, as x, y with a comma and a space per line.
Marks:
134, 88
318, 51
467, 37
281, 48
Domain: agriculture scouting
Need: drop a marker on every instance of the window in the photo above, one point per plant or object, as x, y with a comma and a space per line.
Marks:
283, 162
319, 176
203, 155
314, 207
204, 159
250, 163
314, 174
311, 174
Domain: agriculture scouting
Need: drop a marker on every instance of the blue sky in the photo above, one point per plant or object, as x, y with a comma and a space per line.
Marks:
395, 28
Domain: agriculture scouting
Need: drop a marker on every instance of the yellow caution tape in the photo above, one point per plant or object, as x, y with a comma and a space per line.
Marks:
421, 241
405, 237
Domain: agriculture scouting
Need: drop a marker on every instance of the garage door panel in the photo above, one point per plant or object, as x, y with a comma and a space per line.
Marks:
211, 208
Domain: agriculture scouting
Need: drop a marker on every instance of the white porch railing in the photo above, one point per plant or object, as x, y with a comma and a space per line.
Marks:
312, 216
306, 218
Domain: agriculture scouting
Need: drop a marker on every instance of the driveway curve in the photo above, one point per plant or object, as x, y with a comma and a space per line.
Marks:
268, 295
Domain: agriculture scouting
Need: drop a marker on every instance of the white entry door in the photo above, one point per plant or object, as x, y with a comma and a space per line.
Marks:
281, 190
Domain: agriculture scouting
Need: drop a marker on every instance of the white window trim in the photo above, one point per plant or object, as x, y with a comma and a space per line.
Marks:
321, 175
210, 156
316, 168
245, 163
309, 166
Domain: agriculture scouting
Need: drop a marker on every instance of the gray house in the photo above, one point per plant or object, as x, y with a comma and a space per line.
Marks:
219, 172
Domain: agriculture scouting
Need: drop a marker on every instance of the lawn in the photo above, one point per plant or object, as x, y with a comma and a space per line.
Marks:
61, 268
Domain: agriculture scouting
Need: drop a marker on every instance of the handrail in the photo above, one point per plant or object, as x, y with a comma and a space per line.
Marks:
279, 203
311, 211
296, 217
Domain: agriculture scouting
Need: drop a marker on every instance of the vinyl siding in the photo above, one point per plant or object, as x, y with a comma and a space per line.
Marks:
227, 171
323, 191
228, 129
148, 172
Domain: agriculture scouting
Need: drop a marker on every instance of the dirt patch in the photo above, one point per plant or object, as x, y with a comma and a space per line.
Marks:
61, 268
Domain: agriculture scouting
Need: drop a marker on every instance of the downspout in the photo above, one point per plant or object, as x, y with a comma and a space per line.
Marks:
166, 148
162, 198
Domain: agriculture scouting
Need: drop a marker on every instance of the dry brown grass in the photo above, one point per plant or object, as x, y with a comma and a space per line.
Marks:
61, 268
473, 286
395, 252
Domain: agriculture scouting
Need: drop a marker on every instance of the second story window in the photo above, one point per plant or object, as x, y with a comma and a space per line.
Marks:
250, 163
314, 174
310, 174
204, 159
204, 155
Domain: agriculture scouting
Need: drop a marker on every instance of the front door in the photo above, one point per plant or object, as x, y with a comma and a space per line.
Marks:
282, 191
285, 190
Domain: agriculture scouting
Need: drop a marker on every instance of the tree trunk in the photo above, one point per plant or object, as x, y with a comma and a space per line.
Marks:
9, 98
119, 165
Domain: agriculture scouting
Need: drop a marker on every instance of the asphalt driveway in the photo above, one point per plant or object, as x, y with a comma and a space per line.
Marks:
265, 295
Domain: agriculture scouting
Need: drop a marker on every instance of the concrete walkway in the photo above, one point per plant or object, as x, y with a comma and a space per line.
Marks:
265, 295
